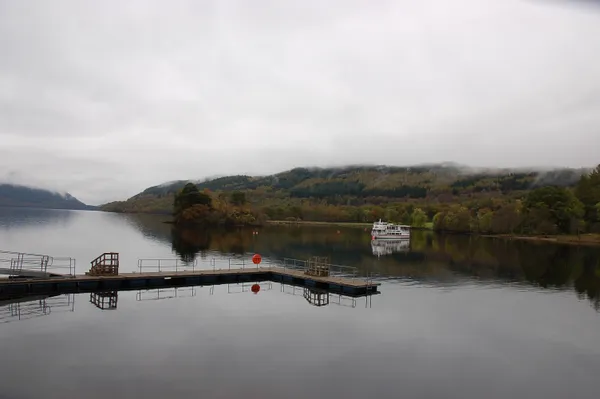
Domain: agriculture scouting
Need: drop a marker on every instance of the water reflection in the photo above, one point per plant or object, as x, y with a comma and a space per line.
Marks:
316, 298
247, 287
25, 308
150, 226
429, 259
35, 306
104, 300
188, 243
165, 293
313, 297
323, 298
13, 218
388, 247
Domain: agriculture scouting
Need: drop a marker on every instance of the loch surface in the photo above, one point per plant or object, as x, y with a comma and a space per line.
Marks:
457, 317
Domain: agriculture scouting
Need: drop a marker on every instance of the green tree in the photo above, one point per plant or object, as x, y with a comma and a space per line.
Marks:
391, 214
418, 218
588, 192
457, 219
559, 205
461, 220
188, 197
238, 198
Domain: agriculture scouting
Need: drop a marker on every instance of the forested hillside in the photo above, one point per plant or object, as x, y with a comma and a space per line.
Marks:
21, 196
362, 194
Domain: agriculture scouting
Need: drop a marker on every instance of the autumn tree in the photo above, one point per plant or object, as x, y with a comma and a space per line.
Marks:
190, 203
238, 198
457, 218
484, 220
506, 219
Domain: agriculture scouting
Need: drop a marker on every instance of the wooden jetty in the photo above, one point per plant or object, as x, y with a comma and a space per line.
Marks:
104, 276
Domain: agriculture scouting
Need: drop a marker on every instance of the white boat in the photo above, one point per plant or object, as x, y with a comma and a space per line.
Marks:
383, 230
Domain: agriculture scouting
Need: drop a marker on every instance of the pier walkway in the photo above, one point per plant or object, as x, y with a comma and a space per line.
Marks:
104, 275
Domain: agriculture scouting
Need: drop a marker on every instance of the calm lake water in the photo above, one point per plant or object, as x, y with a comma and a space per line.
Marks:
457, 317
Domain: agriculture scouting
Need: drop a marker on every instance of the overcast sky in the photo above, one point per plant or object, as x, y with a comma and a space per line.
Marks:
105, 98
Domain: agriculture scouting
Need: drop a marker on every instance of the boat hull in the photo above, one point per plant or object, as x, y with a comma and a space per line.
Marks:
391, 237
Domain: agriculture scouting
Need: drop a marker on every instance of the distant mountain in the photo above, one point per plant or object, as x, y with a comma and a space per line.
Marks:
22, 196
361, 185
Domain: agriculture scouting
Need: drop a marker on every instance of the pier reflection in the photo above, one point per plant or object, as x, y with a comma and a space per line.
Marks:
35, 306
320, 298
105, 300
316, 298
313, 297
165, 293
247, 287
25, 308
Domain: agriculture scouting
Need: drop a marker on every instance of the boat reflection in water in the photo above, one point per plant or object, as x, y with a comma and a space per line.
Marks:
388, 247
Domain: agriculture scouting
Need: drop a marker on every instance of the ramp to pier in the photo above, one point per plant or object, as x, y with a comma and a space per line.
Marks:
26, 265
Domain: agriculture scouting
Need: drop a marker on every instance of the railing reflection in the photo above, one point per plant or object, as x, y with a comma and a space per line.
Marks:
165, 293
32, 307
321, 298
247, 287
314, 297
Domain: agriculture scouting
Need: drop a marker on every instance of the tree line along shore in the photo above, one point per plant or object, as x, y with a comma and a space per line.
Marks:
553, 212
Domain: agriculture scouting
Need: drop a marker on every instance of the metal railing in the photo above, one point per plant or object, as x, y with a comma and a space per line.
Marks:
240, 263
334, 270
164, 265
178, 265
18, 263
62, 265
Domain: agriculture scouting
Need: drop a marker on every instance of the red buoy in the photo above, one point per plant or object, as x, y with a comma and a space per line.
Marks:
256, 259
255, 288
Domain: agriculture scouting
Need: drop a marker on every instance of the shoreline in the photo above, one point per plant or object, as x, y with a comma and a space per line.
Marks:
583, 239
315, 223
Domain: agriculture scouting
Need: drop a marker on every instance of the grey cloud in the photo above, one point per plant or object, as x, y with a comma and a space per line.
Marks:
103, 99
